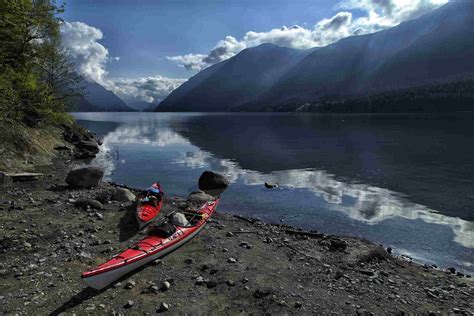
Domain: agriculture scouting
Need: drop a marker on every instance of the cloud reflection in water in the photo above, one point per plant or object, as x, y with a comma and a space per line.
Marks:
369, 204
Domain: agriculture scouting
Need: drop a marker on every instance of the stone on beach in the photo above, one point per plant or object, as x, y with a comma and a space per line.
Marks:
199, 197
123, 195
85, 177
212, 181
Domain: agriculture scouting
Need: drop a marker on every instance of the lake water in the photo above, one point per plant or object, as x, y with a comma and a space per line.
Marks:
405, 181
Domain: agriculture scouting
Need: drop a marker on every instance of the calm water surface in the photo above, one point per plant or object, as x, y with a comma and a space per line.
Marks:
405, 181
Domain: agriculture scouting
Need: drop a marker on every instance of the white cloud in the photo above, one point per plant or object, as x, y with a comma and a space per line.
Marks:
91, 57
81, 40
150, 89
379, 14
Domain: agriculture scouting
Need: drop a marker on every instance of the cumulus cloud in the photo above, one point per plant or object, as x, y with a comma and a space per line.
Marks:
81, 40
378, 15
91, 58
150, 89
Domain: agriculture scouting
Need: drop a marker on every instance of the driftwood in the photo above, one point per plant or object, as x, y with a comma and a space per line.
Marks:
24, 176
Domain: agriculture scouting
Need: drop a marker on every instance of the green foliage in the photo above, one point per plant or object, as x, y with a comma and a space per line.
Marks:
36, 77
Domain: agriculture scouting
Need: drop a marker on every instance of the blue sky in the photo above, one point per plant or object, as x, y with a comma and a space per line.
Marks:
142, 33
143, 49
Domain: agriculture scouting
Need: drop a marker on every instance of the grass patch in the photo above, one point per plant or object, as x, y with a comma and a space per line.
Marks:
22, 148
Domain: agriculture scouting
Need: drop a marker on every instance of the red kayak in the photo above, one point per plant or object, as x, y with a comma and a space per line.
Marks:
148, 249
151, 201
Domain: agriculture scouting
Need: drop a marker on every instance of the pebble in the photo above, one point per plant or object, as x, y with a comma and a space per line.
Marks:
298, 304
156, 262
189, 261
154, 289
130, 284
229, 234
99, 215
165, 286
163, 308
225, 250
451, 270
200, 280
230, 283
129, 304
231, 260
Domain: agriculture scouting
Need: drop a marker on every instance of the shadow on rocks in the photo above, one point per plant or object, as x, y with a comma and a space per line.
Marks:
77, 299
128, 226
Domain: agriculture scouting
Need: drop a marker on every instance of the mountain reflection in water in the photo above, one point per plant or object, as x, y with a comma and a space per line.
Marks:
353, 163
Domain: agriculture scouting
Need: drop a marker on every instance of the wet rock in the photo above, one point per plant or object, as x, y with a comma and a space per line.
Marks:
271, 185
123, 195
212, 181
85, 177
84, 203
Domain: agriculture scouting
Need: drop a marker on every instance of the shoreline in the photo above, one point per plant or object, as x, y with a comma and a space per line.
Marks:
47, 242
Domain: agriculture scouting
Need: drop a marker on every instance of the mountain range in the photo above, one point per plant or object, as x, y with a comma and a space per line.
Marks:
434, 48
98, 99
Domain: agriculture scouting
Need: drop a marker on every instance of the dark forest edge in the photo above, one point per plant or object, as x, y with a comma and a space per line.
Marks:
452, 96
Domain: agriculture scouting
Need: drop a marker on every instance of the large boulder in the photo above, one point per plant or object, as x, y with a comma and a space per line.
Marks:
210, 181
123, 195
89, 145
85, 177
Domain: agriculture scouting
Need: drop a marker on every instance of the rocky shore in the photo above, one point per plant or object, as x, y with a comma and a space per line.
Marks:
52, 230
